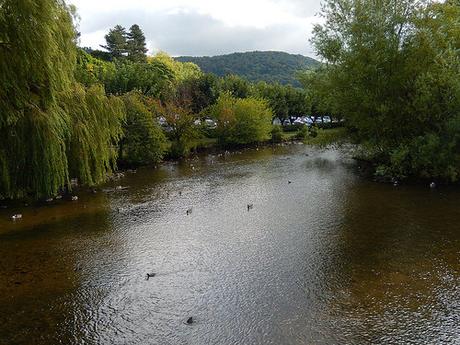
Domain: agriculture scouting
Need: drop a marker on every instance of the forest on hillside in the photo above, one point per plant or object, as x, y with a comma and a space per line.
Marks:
269, 66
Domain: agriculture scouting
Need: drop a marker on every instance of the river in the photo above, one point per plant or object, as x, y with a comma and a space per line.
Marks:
323, 257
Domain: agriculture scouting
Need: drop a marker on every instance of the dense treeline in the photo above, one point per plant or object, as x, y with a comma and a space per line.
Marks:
269, 66
70, 113
392, 68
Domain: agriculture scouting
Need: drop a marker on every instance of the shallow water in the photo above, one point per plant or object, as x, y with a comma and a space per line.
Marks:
327, 259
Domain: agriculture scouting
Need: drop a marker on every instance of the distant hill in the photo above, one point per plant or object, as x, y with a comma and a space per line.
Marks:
269, 66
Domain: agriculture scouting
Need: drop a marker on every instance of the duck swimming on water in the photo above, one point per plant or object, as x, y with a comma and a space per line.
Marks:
150, 275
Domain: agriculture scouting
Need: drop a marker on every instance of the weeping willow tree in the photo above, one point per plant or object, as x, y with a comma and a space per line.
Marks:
95, 128
47, 123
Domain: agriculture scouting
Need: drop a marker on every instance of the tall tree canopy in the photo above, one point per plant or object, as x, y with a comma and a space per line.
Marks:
116, 42
51, 127
37, 57
136, 45
393, 70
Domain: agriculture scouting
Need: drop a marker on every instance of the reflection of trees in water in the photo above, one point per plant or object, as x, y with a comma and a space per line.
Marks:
42, 267
395, 259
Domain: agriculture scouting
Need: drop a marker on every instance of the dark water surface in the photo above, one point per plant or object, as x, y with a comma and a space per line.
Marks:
327, 259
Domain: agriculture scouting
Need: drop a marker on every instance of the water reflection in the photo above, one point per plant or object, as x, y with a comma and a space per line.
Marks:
328, 258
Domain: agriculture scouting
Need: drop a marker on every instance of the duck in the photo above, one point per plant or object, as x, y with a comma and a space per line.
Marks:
150, 275
189, 320
189, 211
250, 206
74, 198
432, 185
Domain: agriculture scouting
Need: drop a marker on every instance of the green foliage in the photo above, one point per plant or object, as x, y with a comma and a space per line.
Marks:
152, 79
37, 57
285, 100
319, 93
302, 134
237, 86
143, 141
135, 44
277, 134
52, 128
393, 69
182, 71
95, 129
116, 42
90, 71
255, 66
182, 134
326, 137
198, 93
242, 121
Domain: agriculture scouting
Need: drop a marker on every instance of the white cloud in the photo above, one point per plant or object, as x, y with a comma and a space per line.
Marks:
266, 24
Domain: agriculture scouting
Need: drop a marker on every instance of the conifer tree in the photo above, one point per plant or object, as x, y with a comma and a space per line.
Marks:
116, 42
136, 44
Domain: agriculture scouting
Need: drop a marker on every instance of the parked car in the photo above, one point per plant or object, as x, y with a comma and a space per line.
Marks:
210, 123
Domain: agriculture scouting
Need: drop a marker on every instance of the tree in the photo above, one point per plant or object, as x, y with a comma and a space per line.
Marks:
143, 140
182, 70
182, 133
242, 121
90, 70
52, 128
393, 68
152, 79
136, 46
95, 129
198, 93
236, 85
37, 57
116, 42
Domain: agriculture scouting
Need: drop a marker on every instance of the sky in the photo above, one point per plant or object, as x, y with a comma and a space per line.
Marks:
204, 27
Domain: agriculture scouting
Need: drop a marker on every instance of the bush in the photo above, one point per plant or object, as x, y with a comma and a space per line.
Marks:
183, 133
277, 134
242, 121
302, 134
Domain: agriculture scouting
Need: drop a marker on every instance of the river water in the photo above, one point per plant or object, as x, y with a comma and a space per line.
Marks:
329, 258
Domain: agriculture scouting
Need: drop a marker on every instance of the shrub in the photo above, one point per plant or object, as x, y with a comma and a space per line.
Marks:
277, 134
242, 121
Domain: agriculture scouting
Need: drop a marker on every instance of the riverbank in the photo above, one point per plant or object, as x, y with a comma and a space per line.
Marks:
321, 138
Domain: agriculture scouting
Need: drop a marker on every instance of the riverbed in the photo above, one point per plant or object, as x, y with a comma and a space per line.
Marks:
322, 257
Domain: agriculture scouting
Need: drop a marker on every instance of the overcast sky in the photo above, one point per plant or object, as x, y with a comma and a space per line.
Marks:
204, 27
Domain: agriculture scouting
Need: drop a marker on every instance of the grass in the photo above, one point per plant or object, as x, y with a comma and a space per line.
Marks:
324, 137
327, 137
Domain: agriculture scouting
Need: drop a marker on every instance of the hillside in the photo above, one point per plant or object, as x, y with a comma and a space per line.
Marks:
255, 66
